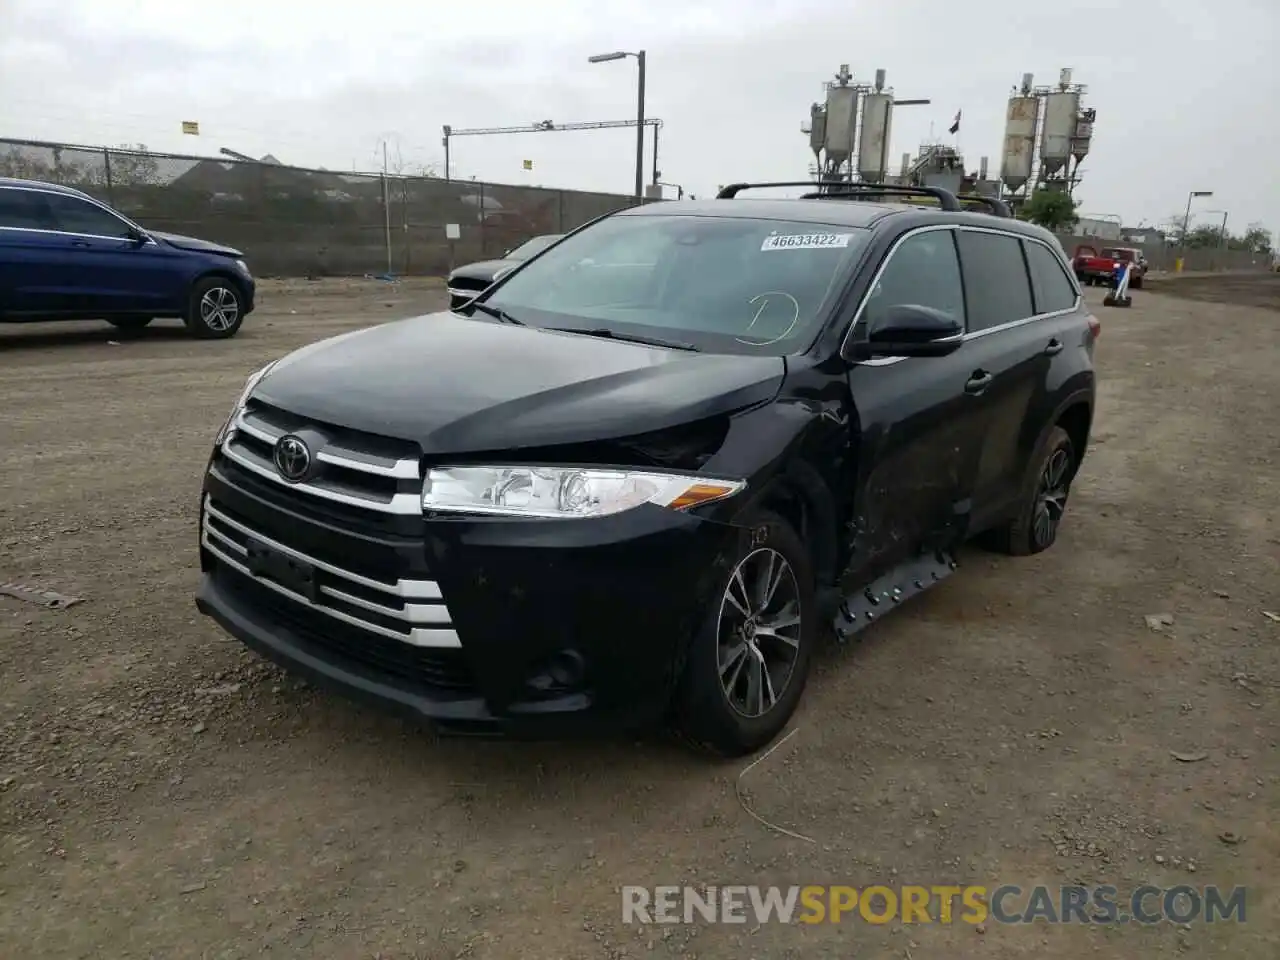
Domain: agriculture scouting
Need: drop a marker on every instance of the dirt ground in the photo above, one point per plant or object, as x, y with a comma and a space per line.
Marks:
165, 794
1244, 289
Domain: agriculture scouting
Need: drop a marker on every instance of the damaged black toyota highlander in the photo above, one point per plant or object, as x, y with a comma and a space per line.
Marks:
639, 478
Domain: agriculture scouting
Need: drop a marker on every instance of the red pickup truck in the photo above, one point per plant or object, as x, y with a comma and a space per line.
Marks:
1099, 266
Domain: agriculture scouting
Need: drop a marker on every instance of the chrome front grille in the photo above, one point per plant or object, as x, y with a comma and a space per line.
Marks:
357, 470
411, 611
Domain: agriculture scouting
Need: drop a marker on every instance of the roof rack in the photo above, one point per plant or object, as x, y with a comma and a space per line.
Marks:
997, 207
872, 191
849, 191
733, 189
954, 203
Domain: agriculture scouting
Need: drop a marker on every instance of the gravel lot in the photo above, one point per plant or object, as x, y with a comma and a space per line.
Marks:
163, 793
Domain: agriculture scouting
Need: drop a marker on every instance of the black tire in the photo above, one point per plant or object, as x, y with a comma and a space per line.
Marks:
210, 307
130, 324
705, 715
1024, 535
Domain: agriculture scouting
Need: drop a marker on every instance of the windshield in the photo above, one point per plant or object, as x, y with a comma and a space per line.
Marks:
530, 247
725, 284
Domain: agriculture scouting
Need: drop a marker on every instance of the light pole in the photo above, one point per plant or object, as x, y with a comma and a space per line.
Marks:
639, 55
1186, 217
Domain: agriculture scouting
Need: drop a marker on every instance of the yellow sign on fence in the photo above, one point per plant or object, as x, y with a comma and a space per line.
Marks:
191, 127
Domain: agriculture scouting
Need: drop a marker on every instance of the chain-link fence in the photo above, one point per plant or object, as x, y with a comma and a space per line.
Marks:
291, 221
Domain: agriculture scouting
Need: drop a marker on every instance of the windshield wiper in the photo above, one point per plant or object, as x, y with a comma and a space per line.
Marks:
495, 312
607, 334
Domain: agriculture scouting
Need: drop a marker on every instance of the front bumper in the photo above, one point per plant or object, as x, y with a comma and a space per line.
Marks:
552, 628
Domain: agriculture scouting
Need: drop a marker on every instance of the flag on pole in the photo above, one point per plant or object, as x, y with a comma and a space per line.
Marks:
955, 124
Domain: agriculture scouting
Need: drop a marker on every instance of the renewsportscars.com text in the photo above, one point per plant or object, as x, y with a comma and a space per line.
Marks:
945, 904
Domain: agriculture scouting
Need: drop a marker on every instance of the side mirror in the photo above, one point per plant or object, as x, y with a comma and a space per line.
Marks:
137, 236
911, 330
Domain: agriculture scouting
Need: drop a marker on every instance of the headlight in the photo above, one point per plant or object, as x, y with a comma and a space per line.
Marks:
249, 384
564, 492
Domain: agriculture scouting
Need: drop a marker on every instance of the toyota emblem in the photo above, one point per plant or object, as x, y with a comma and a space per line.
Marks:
292, 458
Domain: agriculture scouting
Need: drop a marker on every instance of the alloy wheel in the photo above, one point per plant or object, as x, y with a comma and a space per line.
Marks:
1051, 498
758, 634
219, 309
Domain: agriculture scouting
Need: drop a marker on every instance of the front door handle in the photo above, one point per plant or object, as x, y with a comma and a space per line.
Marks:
978, 382
80, 243
1054, 346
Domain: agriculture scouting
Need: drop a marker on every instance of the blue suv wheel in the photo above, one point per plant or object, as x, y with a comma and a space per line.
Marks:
216, 309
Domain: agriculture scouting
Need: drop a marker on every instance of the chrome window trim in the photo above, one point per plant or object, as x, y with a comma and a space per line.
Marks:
76, 196
933, 228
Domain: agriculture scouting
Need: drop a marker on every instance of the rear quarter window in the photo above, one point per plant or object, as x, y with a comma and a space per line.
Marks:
1050, 284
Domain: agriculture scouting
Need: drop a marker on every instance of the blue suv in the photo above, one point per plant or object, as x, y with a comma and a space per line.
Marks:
65, 256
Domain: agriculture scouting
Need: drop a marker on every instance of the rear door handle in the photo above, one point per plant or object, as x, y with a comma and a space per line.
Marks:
80, 243
978, 382
1054, 346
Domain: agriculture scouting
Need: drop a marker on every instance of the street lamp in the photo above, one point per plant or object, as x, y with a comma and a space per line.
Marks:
622, 55
1186, 217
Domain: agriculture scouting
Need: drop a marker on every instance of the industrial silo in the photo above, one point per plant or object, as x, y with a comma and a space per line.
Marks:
817, 128
1083, 137
842, 114
1061, 112
1018, 160
873, 147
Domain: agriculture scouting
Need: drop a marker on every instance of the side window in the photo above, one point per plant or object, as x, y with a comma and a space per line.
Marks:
25, 210
922, 271
79, 216
995, 279
1049, 281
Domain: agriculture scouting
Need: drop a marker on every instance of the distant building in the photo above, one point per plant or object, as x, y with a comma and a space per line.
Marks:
1102, 229
1143, 235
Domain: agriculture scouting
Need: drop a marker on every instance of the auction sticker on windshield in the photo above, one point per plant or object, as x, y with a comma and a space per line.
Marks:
806, 241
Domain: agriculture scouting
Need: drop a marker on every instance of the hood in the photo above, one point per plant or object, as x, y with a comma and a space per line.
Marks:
454, 385
484, 270
192, 243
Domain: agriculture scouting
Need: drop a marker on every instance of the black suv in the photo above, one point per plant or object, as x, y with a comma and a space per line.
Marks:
638, 477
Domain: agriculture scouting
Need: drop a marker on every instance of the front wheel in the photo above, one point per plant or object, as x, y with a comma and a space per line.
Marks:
215, 309
1043, 501
749, 661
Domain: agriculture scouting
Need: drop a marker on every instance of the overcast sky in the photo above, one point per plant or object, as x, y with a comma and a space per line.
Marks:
1187, 92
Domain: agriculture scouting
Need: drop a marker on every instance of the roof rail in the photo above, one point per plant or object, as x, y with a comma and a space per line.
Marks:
733, 189
872, 191
841, 190
997, 207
